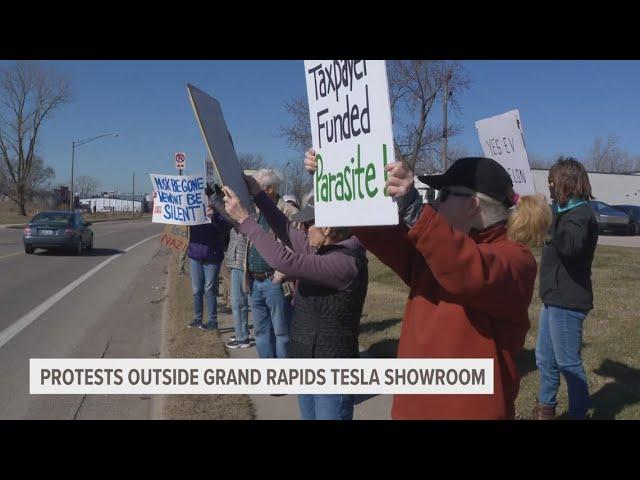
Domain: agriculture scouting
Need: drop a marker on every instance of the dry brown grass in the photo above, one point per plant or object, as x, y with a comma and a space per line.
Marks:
383, 311
182, 342
611, 333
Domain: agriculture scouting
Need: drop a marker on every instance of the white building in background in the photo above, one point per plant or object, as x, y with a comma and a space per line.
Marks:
111, 204
611, 188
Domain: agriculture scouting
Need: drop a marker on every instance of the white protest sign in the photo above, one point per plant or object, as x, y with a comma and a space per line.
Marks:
219, 143
353, 139
179, 200
502, 139
181, 160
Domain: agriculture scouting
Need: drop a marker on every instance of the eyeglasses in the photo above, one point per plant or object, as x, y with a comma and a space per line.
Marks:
445, 192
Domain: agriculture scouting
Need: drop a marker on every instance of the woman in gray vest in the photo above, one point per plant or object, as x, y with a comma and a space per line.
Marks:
330, 267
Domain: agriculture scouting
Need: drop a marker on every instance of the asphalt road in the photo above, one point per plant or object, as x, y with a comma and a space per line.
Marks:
112, 312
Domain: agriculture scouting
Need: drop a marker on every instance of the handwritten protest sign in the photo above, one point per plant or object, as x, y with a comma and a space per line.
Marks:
176, 237
179, 200
219, 143
353, 138
502, 139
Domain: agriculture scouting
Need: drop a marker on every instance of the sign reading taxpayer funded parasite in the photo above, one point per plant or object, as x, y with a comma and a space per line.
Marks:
353, 138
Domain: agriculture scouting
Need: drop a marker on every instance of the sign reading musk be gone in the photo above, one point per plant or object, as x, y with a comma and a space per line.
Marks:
179, 200
502, 139
353, 139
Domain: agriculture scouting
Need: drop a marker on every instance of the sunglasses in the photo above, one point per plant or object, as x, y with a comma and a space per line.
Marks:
445, 192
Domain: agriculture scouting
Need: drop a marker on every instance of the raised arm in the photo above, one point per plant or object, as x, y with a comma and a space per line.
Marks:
392, 248
281, 226
334, 270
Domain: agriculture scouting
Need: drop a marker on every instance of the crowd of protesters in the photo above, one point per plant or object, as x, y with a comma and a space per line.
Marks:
466, 258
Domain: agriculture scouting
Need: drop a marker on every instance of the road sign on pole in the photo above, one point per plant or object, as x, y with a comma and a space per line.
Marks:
181, 160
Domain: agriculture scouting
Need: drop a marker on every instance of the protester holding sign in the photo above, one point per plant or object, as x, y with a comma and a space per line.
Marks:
271, 308
565, 290
331, 268
471, 278
206, 250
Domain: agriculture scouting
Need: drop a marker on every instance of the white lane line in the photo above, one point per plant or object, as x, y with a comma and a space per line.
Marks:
10, 255
11, 331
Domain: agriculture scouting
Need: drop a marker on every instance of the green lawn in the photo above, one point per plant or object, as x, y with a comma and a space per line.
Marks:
611, 333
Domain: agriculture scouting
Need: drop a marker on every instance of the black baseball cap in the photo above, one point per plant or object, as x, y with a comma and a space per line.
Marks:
479, 174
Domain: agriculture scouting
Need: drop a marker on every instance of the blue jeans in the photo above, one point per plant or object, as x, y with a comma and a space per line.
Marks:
204, 281
558, 351
239, 305
271, 319
326, 407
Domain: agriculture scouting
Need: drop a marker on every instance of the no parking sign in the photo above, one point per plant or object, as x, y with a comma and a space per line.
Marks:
181, 160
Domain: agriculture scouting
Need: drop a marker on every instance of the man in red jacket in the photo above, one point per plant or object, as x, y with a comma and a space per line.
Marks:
470, 285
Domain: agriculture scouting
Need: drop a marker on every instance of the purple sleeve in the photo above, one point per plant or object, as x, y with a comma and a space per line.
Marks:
281, 226
334, 270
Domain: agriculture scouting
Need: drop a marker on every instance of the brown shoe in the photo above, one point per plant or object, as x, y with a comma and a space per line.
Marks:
544, 412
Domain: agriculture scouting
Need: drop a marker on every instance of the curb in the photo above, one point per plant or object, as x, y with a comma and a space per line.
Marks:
158, 400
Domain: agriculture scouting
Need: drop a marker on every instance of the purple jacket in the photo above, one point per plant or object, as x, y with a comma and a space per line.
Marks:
206, 241
334, 270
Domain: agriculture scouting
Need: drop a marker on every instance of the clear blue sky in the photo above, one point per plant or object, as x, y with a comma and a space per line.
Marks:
563, 105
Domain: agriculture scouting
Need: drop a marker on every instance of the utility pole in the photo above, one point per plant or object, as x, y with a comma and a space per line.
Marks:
445, 104
73, 153
133, 196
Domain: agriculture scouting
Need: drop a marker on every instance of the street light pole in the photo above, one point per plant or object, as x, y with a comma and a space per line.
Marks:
73, 151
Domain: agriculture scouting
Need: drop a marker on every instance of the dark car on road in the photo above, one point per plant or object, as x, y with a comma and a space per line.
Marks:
634, 212
58, 231
611, 219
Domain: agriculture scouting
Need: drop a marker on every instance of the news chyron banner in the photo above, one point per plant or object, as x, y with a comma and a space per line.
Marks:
141, 376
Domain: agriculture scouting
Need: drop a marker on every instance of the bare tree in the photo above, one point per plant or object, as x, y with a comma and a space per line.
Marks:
28, 96
298, 131
606, 156
249, 161
415, 86
539, 162
296, 180
87, 186
37, 180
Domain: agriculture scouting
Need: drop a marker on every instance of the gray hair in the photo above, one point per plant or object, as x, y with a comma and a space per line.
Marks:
267, 177
491, 211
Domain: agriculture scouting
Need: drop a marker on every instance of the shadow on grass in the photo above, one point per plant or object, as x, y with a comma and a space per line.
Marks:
382, 349
379, 325
526, 361
387, 348
611, 399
